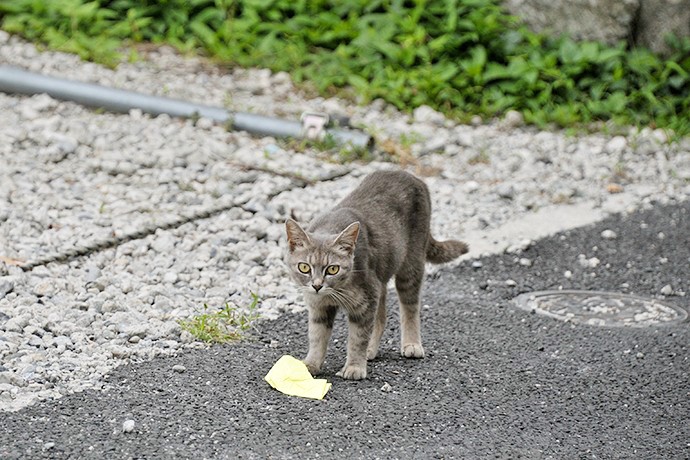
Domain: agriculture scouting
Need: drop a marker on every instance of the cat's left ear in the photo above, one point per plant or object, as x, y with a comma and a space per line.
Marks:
295, 235
348, 238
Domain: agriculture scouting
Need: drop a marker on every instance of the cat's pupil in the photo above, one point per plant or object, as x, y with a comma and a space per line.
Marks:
303, 268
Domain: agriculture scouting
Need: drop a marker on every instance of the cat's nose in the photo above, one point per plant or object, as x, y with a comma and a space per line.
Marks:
317, 287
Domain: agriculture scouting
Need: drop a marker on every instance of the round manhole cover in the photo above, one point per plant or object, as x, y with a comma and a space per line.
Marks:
607, 309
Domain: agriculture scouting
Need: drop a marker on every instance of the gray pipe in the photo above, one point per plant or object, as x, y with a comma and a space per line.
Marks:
18, 81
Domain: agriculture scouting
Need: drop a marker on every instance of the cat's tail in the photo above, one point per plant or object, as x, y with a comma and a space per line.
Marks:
440, 252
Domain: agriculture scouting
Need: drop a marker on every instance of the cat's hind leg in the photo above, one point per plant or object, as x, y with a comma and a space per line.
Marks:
320, 328
408, 283
379, 326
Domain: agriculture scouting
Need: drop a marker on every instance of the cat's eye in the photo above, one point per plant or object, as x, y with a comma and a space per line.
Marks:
332, 269
303, 268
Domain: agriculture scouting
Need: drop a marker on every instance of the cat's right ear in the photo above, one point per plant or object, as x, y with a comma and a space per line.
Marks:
348, 238
296, 237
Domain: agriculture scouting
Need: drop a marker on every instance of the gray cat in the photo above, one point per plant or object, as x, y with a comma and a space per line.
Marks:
346, 257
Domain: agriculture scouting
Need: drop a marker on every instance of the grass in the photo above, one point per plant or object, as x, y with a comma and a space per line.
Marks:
462, 57
341, 153
228, 324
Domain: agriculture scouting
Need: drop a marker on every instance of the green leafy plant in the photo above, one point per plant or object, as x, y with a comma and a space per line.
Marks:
462, 57
228, 324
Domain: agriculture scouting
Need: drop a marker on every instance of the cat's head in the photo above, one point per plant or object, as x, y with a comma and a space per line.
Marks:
320, 263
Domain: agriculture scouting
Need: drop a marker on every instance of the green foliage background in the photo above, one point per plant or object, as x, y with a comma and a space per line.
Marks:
463, 57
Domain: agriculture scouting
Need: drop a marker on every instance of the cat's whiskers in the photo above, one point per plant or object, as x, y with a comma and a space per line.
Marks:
345, 299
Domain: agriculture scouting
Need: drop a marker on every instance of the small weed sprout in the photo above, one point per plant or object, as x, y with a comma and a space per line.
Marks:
229, 324
482, 157
408, 139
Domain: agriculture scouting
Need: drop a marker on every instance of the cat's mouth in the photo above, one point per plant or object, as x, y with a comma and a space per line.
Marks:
334, 295
318, 293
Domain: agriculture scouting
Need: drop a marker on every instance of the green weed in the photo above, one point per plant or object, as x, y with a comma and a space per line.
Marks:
461, 57
229, 324
482, 157
409, 139
329, 147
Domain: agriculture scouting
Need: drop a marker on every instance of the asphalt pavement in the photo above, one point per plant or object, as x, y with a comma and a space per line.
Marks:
496, 382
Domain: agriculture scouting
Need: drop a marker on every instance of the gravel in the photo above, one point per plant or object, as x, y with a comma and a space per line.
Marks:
114, 227
128, 426
609, 234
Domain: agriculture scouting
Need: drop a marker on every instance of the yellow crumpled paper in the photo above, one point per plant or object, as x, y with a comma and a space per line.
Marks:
289, 375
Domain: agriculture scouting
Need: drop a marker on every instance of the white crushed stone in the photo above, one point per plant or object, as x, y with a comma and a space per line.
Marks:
128, 426
609, 234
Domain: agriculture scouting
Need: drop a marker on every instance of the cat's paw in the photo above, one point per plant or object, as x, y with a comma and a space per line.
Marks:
313, 368
353, 372
371, 353
412, 350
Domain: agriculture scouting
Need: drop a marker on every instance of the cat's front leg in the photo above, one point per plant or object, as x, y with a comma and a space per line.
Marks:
378, 328
359, 334
320, 329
